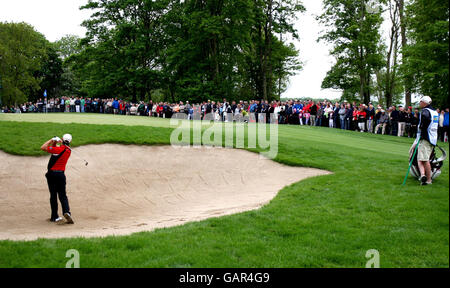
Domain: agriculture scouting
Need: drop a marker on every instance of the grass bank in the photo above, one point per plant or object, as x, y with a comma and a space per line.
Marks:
327, 221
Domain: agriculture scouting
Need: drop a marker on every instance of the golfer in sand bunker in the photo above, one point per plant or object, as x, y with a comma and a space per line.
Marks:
56, 179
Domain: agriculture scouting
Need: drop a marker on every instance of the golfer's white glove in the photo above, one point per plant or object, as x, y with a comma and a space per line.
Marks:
56, 139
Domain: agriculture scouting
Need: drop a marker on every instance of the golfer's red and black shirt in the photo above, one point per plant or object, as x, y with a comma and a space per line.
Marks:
62, 153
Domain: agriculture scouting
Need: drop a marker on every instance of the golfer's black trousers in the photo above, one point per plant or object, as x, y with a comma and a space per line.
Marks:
57, 186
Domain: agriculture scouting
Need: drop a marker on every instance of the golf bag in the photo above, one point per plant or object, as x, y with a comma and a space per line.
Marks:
436, 163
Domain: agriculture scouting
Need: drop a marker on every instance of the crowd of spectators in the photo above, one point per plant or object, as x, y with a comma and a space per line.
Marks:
395, 120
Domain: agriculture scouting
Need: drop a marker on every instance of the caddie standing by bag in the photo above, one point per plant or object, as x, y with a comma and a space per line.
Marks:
427, 134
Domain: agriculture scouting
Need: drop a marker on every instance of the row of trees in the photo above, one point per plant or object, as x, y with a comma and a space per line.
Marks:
180, 50
414, 58
28, 62
213, 49
187, 50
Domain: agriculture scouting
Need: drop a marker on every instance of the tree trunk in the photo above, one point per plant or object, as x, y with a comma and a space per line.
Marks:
134, 100
361, 85
392, 52
260, 77
363, 63
379, 90
388, 97
401, 5
267, 80
142, 94
367, 92
361, 74
172, 94
281, 68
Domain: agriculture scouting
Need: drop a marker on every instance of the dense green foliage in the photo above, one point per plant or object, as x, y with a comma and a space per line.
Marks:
427, 53
70, 82
191, 50
28, 64
414, 58
327, 221
171, 50
354, 31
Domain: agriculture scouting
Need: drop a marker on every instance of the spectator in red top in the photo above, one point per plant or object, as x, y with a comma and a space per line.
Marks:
354, 118
159, 110
55, 176
122, 106
361, 115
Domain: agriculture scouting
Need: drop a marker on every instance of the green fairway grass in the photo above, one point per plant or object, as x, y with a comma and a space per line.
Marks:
86, 118
326, 221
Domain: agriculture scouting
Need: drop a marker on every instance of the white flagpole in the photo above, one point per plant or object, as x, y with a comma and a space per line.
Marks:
45, 96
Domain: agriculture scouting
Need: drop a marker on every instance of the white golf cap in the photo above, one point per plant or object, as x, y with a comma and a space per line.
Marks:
426, 99
67, 138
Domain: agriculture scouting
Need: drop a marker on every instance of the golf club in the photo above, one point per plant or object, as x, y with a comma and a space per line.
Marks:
410, 163
76, 154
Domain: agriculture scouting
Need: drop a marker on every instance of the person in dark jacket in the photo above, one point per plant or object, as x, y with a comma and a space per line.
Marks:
263, 111
408, 119
336, 121
289, 113
414, 124
377, 116
100, 106
319, 115
257, 110
141, 109
370, 113
282, 119
401, 121
313, 112
269, 112
348, 117
394, 117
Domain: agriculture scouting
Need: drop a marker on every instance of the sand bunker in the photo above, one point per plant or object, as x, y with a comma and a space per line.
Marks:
127, 189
